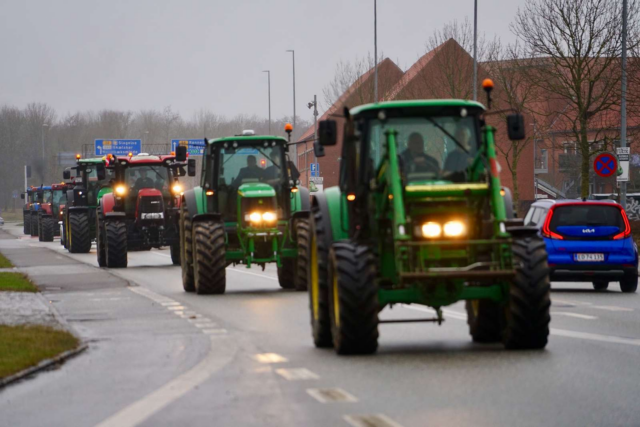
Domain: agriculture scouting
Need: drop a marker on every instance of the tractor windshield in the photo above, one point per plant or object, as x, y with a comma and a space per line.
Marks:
59, 197
428, 148
47, 196
148, 176
251, 164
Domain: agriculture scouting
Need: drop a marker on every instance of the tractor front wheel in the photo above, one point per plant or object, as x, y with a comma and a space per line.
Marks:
317, 283
101, 250
209, 257
175, 253
116, 244
527, 317
486, 320
34, 224
26, 222
40, 228
353, 299
47, 229
79, 233
287, 273
302, 260
186, 248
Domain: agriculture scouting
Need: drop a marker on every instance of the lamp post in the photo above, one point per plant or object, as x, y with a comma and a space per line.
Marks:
623, 104
375, 51
269, 91
294, 87
475, 50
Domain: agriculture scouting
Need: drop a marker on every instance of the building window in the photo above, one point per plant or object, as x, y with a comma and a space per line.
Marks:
542, 161
569, 147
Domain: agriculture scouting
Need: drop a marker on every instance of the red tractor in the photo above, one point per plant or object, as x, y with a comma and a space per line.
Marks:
142, 211
50, 212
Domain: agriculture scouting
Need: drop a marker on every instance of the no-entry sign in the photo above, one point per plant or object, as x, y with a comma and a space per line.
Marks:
605, 164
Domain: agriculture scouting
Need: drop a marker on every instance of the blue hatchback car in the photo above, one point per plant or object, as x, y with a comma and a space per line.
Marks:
587, 241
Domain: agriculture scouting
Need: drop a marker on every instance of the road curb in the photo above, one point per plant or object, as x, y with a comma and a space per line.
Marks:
44, 364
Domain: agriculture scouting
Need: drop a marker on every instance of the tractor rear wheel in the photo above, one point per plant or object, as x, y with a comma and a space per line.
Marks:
116, 244
287, 273
209, 257
527, 317
353, 299
47, 229
40, 228
302, 260
34, 224
79, 233
26, 222
101, 250
186, 248
486, 320
317, 283
175, 253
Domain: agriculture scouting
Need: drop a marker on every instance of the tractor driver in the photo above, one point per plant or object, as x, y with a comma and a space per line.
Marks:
252, 171
273, 172
144, 181
458, 160
414, 159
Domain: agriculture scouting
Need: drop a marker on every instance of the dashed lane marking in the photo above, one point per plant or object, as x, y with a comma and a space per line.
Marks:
579, 316
205, 325
296, 374
270, 358
150, 294
331, 395
253, 274
564, 301
377, 420
214, 331
176, 307
595, 337
611, 308
166, 304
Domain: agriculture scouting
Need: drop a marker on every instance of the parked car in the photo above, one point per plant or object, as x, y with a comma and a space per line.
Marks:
587, 241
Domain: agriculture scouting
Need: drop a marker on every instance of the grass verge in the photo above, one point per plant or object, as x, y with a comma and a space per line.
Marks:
24, 346
16, 282
4, 262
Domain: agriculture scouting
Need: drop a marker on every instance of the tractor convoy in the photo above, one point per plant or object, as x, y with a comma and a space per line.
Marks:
419, 217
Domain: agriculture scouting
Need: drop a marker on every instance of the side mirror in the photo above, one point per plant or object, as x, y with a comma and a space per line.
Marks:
101, 172
22, 196
191, 167
181, 153
515, 127
66, 174
328, 133
318, 149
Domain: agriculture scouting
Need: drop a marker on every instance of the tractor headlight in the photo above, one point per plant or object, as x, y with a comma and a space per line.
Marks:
454, 229
431, 230
255, 217
121, 190
269, 216
177, 188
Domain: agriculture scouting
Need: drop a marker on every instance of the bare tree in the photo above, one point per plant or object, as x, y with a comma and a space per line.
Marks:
574, 49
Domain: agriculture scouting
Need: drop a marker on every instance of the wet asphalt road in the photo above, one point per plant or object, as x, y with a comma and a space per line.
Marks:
161, 357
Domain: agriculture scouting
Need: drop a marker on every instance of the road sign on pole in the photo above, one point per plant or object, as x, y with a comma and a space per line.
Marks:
117, 147
195, 147
624, 154
605, 165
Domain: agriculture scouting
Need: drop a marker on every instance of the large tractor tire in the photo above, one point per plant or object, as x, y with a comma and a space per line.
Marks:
116, 244
175, 253
353, 298
101, 239
302, 260
287, 273
318, 284
527, 316
209, 259
26, 222
47, 229
629, 283
63, 236
34, 224
486, 320
186, 250
40, 228
79, 233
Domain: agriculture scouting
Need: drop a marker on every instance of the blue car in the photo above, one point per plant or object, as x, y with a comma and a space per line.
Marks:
587, 241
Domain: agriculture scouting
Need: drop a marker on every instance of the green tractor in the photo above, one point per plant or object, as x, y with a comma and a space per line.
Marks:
90, 183
420, 217
248, 210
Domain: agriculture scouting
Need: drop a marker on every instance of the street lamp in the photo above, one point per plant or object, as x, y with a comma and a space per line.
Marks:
375, 51
475, 50
269, 84
294, 87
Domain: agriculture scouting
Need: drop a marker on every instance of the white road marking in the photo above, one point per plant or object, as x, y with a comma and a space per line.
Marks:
562, 301
176, 308
296, 374
253, 274
579, 316
139, 411
450, 313
376, 420
595, 337
327, 395
199, 319
611, 308
166, 304
270, 358
150, 294
205, 325
164, 255
214, 331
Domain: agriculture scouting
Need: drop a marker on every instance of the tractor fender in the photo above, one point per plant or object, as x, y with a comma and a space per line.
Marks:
78, 208
107, 203
334, 211
193, 200
508, 203
103, 192
206, 217
301, 200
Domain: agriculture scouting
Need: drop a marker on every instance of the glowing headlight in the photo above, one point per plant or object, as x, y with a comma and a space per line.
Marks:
121, 190
431, 230
269, 216
454, 229
255, 217
177, 188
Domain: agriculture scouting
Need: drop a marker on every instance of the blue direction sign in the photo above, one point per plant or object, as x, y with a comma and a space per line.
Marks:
195, 147
315, 169
118, 147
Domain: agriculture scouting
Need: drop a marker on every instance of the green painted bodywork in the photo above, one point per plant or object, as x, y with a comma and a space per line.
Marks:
411, 269
256, 189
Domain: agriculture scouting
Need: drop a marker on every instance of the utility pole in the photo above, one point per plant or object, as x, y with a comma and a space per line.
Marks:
475, 50
375, 50
269, 91
623, 104
294, 147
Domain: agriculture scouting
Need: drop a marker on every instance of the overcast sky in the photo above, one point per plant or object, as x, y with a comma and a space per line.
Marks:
193, 54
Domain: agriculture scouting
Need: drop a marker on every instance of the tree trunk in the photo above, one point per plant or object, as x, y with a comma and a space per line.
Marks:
585, 167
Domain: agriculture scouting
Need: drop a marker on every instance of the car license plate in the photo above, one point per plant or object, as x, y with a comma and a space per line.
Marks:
589, 257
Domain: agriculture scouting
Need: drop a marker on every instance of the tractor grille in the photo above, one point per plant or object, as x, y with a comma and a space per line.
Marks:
151, 204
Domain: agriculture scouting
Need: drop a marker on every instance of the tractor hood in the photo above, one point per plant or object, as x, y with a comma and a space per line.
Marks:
445, 189
256, 189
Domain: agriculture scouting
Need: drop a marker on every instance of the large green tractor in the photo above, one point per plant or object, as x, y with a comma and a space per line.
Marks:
420, 217
248, 210
90, 183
